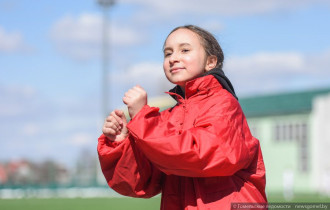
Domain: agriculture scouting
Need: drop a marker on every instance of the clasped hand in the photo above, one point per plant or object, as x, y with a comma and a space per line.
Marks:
114, 126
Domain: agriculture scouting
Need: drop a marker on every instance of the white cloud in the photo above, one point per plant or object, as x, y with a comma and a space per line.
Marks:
269, 72
212, 25
172, 8
257, 73
150, 75
267, 62
12, 42
81, 37
36, 126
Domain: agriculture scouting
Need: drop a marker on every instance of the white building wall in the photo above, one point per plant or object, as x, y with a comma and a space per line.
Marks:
321, 144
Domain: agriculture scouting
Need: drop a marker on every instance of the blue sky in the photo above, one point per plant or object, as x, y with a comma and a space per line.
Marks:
50, 64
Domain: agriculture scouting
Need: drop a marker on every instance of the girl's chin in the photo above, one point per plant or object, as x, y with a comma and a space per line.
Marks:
175, 82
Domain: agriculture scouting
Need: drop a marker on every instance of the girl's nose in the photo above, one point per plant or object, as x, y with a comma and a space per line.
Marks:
174, 58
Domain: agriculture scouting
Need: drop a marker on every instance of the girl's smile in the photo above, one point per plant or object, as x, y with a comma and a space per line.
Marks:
176, 69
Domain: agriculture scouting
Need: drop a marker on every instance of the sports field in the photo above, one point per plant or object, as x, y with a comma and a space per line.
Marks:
115, 203
80, 204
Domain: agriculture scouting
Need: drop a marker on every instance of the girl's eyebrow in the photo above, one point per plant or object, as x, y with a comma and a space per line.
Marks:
167, 48
180, 45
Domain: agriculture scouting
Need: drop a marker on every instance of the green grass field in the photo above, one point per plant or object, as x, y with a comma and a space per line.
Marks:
115, 203
80, 204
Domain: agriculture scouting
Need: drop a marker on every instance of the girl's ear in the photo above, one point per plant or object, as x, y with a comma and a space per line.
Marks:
211, 62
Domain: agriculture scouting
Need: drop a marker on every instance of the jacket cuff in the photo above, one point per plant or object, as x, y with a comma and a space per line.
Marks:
103, 140
138, 124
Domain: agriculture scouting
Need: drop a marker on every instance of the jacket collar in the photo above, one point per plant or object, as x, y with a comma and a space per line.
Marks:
200, 85
223, 80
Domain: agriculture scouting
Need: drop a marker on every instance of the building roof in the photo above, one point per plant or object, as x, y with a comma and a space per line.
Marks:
283, 103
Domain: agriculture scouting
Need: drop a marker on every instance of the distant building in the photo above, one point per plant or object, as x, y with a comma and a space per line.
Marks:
24, 173
3, 174
294, 132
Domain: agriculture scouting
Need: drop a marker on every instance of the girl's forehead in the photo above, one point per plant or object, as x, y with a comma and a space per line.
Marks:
182, 36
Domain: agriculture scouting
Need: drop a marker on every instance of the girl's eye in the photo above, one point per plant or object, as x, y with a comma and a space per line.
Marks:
185, 50
167, 54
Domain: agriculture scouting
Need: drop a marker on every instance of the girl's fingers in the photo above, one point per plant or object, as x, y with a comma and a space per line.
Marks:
138, 88
109, 131
115, 124
112, 121
134, 91
110, 125
117, 117
131, 92
122, 116
127, 94
125, 100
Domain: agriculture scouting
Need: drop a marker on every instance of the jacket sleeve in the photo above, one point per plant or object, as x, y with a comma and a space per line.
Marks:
219, 143
127, 170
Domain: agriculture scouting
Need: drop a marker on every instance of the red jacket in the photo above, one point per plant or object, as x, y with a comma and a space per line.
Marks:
199, 154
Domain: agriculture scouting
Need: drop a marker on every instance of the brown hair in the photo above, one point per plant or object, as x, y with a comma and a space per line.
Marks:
209, 42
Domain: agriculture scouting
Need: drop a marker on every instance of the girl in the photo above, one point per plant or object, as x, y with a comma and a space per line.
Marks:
200, 153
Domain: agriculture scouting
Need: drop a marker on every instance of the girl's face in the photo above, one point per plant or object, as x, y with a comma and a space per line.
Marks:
185, 57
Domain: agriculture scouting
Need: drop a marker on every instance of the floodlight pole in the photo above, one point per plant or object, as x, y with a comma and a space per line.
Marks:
105, 4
